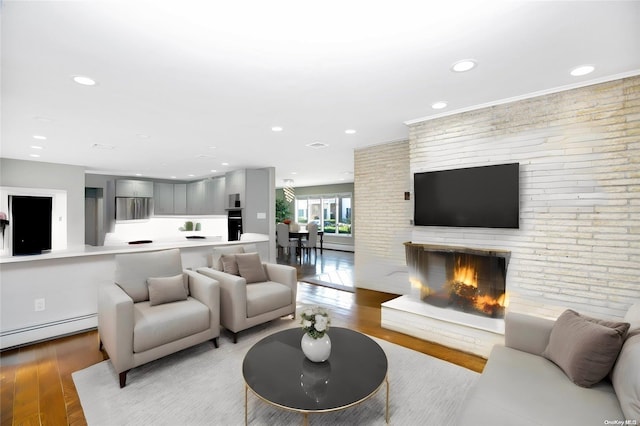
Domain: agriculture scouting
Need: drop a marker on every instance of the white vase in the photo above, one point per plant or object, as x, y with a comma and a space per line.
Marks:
316, 350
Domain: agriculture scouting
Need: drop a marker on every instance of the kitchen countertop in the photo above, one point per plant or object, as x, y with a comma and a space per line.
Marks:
129, 248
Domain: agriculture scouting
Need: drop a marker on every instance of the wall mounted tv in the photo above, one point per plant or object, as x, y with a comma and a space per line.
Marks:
483, 197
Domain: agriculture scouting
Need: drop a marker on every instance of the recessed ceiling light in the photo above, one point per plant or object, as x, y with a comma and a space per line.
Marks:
317, 145
83, 80
582, 70
350, 131
464, 65
439, 105
102, 146
214, 171
277, 129
40, 137
138, 174
142, 136
191, 175
34, 155
225, 164
173, 177
36, 147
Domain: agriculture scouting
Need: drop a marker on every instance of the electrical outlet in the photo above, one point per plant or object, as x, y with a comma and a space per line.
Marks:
38, 305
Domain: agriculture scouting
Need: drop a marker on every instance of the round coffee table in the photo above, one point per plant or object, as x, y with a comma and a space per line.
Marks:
276, 371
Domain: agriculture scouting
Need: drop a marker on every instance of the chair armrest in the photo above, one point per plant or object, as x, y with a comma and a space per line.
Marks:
207, 291
115, 325
527, 333
233, 297
284, 274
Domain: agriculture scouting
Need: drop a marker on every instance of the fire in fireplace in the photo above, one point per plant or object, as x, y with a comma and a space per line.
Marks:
469, 280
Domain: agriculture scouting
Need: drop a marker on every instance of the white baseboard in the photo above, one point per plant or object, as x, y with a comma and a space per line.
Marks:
40, 332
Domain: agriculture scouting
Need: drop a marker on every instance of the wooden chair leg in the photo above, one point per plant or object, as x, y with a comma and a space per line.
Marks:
123, 379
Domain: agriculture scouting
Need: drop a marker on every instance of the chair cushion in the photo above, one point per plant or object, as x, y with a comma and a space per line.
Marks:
266, 297
166, 289
585, 348
158, 325
250, 268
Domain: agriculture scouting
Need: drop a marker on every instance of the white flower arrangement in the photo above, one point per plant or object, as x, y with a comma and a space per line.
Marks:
315, 321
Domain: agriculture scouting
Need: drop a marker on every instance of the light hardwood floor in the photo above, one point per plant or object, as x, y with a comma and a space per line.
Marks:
37, 388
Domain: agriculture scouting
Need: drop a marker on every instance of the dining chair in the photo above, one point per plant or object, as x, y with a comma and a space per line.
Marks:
311, 242
283, 241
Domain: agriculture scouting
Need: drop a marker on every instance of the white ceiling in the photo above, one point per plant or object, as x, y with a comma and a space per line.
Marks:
184, 86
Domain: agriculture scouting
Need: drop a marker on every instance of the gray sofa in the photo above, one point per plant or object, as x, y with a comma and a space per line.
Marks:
520, 386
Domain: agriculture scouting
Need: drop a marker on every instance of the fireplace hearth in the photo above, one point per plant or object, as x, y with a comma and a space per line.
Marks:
469, 280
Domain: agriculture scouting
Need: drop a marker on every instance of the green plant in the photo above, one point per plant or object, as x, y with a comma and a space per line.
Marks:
282, 210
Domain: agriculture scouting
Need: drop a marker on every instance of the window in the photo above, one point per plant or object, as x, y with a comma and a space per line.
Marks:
332, 213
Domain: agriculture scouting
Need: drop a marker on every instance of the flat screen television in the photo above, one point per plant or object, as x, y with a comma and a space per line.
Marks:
483, 197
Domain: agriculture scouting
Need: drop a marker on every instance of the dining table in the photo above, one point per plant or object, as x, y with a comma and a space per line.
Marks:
300, 235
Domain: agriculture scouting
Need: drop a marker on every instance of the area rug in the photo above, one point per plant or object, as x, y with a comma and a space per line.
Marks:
204, 385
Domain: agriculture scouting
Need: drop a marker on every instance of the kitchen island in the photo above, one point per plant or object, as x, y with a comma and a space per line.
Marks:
53, 294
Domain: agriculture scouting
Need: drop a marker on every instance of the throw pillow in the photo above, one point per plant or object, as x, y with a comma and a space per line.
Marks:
625, 378
229, 264
215, 260
585, 348
251, 268
166, 289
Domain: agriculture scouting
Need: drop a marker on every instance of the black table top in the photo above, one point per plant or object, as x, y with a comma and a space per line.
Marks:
276, 370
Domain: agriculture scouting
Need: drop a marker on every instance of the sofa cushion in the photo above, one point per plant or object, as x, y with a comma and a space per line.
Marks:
251, 268
585, 348
166, 289
133, 269
626, 378
229, 264
519, 388
158, 325
633, 318
266, 297
214, 258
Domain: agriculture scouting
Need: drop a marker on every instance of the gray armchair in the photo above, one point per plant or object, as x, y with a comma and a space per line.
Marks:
155, 308
255, 292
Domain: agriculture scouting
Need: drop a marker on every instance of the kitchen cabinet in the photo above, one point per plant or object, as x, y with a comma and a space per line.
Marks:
214, 198
134, 188
180, 198
163, 198
235, 189
196, 192
169, 198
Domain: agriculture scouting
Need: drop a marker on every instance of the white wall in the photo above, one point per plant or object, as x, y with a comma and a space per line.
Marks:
35, 174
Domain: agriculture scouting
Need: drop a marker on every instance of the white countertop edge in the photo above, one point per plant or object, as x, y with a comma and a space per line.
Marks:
105, 250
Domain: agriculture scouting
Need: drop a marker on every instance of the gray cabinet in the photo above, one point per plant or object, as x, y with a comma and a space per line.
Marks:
169, 198
134, 188
196, 193
180, 198
162, 198
235, 189
214, 199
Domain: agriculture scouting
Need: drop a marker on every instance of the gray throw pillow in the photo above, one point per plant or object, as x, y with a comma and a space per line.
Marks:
251, 268
585, 348
229, 264
166, 289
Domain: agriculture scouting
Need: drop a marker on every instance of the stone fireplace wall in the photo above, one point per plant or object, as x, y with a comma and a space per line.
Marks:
578, 245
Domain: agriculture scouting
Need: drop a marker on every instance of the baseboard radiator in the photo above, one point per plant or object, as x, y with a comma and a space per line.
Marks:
10, 339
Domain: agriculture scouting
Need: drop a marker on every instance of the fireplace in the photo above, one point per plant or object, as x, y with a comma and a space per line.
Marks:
464, 279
